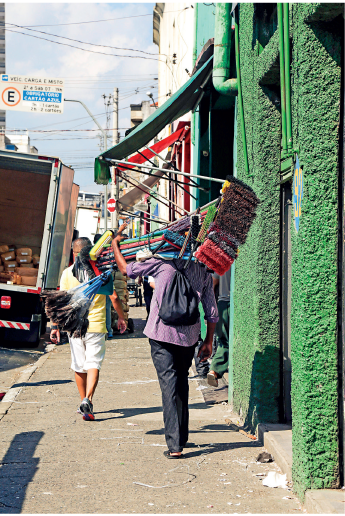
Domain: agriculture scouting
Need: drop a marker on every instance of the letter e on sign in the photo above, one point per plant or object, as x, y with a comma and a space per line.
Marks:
11, 97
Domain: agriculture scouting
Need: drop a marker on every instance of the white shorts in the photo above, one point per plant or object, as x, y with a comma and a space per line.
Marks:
88, 352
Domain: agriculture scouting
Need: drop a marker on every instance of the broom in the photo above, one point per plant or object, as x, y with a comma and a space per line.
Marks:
69, 310
236, 214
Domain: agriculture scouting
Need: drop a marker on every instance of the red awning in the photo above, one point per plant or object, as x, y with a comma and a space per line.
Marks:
157, 147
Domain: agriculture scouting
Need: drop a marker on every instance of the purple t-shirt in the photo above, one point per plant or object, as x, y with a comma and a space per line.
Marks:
163, 272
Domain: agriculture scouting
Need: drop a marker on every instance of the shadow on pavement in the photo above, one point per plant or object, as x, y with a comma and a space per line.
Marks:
38, 384
18, 467
206, 428
206, 449
12, 359
132, 412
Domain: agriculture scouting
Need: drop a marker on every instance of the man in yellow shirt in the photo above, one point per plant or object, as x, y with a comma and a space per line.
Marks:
88, 352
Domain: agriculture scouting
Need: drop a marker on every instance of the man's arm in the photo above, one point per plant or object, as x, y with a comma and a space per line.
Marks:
205, 350
121, 262
121, 323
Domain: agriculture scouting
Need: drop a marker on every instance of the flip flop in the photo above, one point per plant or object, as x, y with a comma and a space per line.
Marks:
169, 456
212, 380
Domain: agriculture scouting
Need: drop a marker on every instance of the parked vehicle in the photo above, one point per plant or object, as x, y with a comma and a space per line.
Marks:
87, 221
38, 201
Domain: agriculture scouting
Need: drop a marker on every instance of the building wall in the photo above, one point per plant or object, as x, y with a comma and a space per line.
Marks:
173, 30
256, 355
174, 37
317, 32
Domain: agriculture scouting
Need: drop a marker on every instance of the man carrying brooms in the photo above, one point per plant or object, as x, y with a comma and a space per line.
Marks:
88, 352
173, 344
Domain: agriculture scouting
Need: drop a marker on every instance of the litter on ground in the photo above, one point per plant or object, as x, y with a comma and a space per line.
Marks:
275, 479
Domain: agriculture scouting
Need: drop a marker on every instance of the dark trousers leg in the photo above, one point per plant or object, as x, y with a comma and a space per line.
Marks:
172, 364
220, 361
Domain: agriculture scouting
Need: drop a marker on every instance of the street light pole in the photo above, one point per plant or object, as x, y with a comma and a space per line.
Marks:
115, 185
105, 148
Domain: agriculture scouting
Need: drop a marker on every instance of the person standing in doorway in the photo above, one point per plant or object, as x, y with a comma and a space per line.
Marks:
220, 361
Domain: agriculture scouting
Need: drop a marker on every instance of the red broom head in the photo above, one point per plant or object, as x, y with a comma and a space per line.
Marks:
214, 257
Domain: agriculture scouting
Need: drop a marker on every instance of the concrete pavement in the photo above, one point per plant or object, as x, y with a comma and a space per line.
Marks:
54, 462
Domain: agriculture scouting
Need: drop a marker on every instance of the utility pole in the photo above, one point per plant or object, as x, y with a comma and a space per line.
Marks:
105, 148
115, 182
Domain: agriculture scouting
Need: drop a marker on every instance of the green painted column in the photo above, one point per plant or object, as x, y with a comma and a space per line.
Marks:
232, 286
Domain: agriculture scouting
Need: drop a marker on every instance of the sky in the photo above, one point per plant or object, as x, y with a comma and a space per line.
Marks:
87, 75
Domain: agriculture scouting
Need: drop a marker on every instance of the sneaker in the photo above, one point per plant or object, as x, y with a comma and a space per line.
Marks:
110, 335
86, 408
79, 411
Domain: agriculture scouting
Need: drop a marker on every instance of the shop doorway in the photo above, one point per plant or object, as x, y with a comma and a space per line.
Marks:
285, 301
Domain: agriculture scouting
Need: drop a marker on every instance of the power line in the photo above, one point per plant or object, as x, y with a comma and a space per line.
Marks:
55, 130
98, 21
99, 115
83, 49
81, 42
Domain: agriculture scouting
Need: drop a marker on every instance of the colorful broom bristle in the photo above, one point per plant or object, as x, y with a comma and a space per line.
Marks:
207, 221
175, 239
195, 225
238, 210
228, 249
214, 257
222, 235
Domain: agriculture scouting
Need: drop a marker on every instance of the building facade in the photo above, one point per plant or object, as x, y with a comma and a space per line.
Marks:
273, 115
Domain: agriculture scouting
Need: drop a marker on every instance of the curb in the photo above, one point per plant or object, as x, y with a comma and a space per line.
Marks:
14, 391
325, 501
277, 439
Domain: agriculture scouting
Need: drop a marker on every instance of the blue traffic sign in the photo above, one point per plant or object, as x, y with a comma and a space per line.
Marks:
42, 96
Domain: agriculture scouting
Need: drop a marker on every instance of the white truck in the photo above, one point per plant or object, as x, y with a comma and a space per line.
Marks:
87, 221
38, 201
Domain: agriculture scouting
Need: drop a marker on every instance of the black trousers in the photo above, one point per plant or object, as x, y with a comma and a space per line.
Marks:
172, 364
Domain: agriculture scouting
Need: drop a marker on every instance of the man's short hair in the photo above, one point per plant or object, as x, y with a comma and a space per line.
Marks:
79, 243
97, 237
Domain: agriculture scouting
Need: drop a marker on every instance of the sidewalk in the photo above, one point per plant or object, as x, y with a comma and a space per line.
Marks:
54, 462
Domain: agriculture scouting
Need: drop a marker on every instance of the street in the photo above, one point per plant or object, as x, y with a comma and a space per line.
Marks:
54, 462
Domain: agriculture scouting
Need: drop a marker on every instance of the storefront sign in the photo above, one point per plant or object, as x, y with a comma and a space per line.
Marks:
297, 193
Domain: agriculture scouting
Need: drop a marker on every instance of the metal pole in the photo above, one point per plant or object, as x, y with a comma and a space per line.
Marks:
240, 98
115, 185
282, 75
287, 75
105, 148
121, 162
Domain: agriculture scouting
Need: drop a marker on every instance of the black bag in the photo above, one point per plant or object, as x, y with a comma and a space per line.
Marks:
179, 304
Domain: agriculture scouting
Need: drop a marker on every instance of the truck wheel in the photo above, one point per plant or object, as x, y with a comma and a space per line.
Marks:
130, 326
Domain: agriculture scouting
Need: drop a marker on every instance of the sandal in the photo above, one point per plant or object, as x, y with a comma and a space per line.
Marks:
212, 379
168, 455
